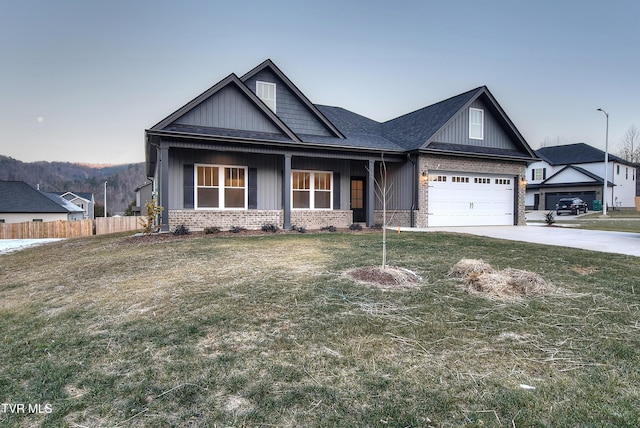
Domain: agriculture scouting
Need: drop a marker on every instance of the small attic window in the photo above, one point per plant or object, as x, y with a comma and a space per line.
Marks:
267, 93
476, 124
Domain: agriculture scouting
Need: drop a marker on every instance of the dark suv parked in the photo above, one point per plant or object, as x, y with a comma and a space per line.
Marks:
571, 205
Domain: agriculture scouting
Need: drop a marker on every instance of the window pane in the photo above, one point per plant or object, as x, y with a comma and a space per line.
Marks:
322, 181
234, 198
234, 177
207, 197
300, 199
207, 176
322, 199
301, 180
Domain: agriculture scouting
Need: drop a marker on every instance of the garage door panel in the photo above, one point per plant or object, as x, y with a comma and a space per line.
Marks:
474, 200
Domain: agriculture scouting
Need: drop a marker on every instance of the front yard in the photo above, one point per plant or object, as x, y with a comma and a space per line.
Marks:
205, 331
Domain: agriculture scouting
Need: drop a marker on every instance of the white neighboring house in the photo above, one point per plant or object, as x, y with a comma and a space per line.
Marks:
21, 203
578, 170
84, 200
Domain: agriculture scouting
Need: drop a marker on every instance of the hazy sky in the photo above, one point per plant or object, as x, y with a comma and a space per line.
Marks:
81, 80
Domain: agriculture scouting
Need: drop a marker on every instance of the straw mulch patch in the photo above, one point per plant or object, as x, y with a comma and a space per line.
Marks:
389, 278
506, 285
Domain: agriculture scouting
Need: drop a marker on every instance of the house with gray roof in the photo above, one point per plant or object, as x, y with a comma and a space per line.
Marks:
254, 150
577, 170
84, 200
19, 203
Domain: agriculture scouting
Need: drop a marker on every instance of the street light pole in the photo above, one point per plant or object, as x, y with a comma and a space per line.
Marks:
105, 199
606, 166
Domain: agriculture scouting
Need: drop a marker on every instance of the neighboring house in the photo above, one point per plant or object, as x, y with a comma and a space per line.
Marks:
254, 150
84, 200
20, 203
578, 170
144, 193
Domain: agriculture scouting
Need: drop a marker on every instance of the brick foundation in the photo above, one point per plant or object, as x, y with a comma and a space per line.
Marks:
255, 219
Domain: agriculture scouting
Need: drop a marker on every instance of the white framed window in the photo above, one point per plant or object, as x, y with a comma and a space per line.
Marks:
220, 187
311, 190
539, 174
476, 124
266, 91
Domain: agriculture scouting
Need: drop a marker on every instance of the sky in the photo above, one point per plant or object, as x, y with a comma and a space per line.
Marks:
80, 80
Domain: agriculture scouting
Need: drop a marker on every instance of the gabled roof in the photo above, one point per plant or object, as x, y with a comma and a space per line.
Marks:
231, 80
414, 130
268, 64
590, 179
417, 130
574, 154
70, 196
19, 197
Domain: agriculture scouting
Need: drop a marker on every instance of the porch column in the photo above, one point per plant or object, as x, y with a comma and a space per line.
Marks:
371, 202
286, 192
163, 191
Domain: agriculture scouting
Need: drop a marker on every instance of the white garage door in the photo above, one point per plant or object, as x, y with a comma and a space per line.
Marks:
457, 199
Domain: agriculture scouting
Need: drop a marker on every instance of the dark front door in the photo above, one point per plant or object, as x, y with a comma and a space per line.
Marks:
358, 199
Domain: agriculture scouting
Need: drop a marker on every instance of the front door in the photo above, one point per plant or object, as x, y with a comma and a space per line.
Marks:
358, 199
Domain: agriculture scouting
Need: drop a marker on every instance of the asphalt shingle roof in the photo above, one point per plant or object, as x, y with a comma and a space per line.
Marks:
412, 130
573, 153
19, 197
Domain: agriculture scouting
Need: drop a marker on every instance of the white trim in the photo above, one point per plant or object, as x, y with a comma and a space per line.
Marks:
473, 125
312, 190
221, 187
262, 85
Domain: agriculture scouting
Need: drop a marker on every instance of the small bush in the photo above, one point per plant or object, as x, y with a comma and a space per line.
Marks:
211, 230
181, 230
376, 226
300, 229
328, 229
236, 229
271, 227
549, 218
355, 226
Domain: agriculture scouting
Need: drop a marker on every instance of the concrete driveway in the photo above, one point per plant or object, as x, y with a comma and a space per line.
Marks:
538, 233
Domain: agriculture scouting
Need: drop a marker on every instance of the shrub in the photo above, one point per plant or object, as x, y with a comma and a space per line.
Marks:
149, 222
211, 230
549, 218
300, 229
328, 229
376, 226
181, 230
355, 226
236, 229
271, 227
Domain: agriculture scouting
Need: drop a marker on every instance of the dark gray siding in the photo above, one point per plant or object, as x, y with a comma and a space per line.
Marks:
400, 186
269, 173
289, 108
229, 109
457, 132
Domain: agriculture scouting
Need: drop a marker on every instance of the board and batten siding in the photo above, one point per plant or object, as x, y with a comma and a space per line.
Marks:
400, 184
457, 132
229, 109
269, 174
289, 108
269, 180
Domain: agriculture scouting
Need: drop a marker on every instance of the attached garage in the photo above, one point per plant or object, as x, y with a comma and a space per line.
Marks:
551, 199
471, 199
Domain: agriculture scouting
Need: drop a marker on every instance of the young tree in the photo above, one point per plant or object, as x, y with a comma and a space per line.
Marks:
383, 193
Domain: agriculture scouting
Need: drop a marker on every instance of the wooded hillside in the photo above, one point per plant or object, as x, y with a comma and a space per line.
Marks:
65, 176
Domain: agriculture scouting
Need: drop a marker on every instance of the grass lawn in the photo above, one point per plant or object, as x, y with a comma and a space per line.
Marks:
209, 331
617, 221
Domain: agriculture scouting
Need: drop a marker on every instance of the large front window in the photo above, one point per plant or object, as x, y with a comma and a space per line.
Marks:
219, 187
311, 190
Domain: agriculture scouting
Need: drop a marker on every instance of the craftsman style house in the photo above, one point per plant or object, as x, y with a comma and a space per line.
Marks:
254, 150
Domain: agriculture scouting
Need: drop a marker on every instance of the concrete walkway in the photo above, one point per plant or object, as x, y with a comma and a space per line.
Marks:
538, 233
